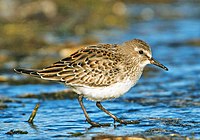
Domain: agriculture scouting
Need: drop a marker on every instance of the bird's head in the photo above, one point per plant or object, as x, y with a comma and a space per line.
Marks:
142, 51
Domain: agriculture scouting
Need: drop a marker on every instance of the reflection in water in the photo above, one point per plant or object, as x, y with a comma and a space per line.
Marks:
33, 126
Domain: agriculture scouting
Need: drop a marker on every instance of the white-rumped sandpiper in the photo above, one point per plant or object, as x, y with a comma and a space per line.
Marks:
100, 72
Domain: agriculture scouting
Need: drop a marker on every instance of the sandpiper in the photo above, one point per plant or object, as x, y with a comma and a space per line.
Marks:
100, 72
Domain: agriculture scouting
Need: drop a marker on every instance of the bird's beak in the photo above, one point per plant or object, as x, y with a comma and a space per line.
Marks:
154, 62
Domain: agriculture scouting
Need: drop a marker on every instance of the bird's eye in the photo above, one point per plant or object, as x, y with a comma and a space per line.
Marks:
141, 52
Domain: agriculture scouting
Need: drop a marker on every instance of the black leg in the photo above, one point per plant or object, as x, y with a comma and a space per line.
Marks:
94, 124
98, 104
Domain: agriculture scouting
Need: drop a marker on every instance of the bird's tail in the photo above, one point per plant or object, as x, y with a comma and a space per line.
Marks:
31, 72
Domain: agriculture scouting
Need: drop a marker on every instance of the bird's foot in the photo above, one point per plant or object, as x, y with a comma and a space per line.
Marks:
94, 124
127, 122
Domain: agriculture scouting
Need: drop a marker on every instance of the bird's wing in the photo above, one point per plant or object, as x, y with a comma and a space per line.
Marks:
92, 66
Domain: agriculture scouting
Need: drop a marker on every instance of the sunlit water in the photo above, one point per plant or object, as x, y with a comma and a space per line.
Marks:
168, 101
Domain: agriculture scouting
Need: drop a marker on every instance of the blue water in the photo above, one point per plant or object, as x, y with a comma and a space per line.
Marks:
169, 100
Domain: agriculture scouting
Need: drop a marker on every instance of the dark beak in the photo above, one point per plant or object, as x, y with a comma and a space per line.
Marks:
154, 62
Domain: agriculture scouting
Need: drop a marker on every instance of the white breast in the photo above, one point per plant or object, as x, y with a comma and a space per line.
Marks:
108, 92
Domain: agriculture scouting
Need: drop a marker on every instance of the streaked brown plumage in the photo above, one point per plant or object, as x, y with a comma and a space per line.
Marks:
100, 72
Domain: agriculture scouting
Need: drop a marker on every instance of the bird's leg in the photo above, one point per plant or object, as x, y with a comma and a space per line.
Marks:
94, 124
80, 99
98, 104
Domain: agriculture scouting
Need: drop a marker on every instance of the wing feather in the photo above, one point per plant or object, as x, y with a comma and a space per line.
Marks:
92, 66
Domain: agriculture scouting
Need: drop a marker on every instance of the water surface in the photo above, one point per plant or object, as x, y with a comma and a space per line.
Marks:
165, 103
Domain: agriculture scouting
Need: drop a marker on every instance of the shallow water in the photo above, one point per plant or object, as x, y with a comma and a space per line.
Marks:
164, 102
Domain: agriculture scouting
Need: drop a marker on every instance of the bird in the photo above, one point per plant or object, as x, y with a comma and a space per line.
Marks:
100, 72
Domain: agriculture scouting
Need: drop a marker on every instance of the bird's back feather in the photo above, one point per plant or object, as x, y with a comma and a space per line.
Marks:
32, 72
93, 66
